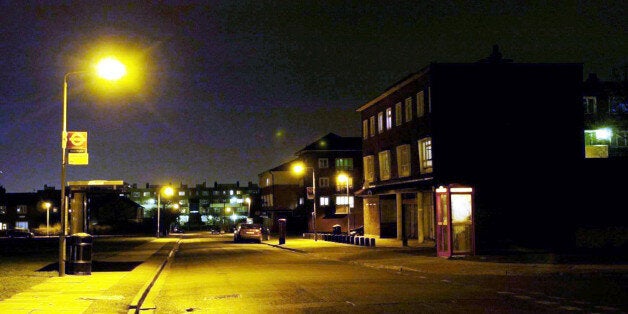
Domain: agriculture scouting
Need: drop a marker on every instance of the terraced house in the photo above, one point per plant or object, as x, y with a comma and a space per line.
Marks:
473, 156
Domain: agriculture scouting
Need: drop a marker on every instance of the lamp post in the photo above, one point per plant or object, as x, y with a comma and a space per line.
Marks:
343, 177
47, 207
167, 191
300, 168
110, 69
248, 203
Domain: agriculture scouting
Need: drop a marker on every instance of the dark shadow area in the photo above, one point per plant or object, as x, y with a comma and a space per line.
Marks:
99, 266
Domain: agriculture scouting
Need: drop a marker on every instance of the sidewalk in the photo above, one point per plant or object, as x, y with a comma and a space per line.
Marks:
390, 254
98, 292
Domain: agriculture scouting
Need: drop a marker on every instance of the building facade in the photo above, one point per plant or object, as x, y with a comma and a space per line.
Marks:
480, 127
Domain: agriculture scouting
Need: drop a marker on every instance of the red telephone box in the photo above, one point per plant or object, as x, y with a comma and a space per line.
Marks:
455, 233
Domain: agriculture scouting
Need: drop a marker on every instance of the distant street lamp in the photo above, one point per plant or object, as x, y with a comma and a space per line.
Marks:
344, 178
299, 168
248, 203
47, 207
168, 192
110, 69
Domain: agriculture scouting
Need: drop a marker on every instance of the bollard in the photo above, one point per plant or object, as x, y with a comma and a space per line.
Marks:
362, 241
367, 241
373, 242
351, 239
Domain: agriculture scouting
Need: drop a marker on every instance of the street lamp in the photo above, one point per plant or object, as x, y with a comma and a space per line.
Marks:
345, 178
299, 168
167, 191
110, 69
248, 203
47, 207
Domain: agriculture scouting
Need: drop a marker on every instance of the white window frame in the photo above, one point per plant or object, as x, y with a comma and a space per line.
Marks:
369, 168
425, 155
323, 201
323, 163
388, 118
380, 122
21, 209
398, 114
403, 160
384, 165
408, 109
590, 104
323, 182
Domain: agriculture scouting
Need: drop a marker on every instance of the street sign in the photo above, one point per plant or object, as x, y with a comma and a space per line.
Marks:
310, 193
77, 142
78, 158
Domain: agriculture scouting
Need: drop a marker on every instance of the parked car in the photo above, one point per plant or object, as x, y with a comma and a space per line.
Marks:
248, 232
20, 233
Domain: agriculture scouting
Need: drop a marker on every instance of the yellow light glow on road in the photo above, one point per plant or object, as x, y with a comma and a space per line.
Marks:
111, 69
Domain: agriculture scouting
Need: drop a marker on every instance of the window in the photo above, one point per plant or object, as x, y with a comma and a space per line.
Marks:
22, 209
344, 164
324, 201
403, 160
420, 104
429, 99
408, 109
425, 155
388, 118
369, 168
21, 224
205, 193
365, 129
323, 182
341, 186
398, 114
590, 104
384, 165
323, 163
342, 200
372, 126
380, 122
181, 193
146, 194
3, 209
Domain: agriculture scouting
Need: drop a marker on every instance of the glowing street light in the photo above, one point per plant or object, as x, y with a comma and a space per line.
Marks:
299, 169
47, 206
168, 192
345, 178
248, 203
108, 69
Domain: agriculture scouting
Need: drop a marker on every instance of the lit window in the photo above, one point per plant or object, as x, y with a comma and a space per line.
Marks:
146, 194
21, 224
324, 201
323, 163
425, 155
3, 209
408, 109
323, 182
22, 209
372, 126
341, 186
344, 164
398, 114
420, 104
365, 129
403, 160
181, 193
342, 200
388, 118
384, 165
369, 168
380, 122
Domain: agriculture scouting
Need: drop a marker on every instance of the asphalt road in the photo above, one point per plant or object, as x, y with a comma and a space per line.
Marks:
213, 274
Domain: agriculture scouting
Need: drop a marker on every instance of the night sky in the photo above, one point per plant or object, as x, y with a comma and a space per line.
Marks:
230, 89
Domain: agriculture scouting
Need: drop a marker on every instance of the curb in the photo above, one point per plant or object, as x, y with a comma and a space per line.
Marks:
135, 306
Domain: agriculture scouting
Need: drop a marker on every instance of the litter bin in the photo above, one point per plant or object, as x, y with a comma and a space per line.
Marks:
336, 229
79, 254
282, 231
